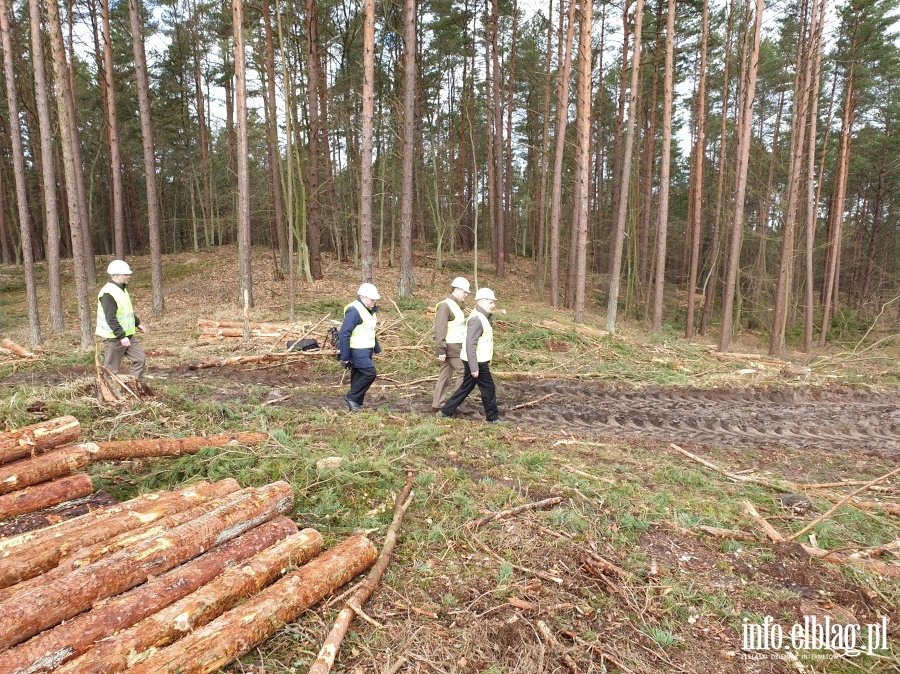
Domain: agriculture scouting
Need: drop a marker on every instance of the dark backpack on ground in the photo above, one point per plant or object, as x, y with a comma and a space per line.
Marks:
302, 345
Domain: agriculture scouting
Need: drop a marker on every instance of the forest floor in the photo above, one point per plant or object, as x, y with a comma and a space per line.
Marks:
595, 419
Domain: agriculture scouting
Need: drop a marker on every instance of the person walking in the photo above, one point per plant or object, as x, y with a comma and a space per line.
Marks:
117, 322
449, 334
477, 353
357, 344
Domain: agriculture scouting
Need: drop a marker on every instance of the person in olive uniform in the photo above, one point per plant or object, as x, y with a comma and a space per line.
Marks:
477, 352
117, 322
449, 333
357, 344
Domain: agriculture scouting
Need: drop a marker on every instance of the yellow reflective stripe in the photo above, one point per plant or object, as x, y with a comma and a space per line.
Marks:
363, 335
124, 312
484, 347
456, 328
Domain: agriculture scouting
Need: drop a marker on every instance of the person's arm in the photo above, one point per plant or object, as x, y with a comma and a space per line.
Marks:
351, 320
441, 320
473, 332
110, 307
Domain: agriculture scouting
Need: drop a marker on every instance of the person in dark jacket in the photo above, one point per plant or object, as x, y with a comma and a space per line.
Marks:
357, 344
477, 353
117, 322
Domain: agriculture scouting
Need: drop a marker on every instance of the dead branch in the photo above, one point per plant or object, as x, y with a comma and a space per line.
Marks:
840, 503
771, 531
889, 508
518, 567
596, 649
535, 505
532, 403
325, 659
724, 355
731, 534
554, 645
784, 486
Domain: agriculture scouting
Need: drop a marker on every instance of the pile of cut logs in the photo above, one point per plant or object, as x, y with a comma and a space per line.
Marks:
183, 581
212, 332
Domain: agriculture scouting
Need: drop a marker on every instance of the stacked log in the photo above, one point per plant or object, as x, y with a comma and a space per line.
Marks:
211, 332
45, 495
38, 438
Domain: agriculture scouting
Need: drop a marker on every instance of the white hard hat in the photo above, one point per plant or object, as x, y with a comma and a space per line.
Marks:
461, 283
368, 290
118, 267
485, 294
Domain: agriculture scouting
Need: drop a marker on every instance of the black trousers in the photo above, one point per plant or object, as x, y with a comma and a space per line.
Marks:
361, 379
485, 384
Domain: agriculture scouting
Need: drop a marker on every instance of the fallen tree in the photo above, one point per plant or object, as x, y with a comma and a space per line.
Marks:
51, 648
38, 438
45, 495
156, 447
50, 466
241, 629
36, 567
117, 652
77, 591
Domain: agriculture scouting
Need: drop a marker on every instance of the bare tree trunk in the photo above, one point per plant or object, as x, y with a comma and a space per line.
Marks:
368, 110
645, 205
545, 146
272, 138
802, 80
743, 154
583, 150
51, 209
491, 162
314, 198
153, 216
498, 140
562, 118
72, 168
203, 131
811, 198
620, 121
509, 220
612, 299
699, 156
6, 256
662, 223
112, 121
15, 136
245, 272
406, 190
712, 278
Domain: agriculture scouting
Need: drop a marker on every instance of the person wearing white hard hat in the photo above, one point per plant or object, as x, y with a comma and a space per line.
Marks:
449, 333
357, 343
477, 353
117, 322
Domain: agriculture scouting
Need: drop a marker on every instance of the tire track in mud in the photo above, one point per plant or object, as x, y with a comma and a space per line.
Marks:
816, 418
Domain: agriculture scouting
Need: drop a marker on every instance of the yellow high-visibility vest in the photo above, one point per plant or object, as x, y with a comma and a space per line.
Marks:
456, 327
124, 312
363, 335
484, 347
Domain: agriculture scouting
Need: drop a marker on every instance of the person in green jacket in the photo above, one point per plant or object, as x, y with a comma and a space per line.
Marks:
117, 322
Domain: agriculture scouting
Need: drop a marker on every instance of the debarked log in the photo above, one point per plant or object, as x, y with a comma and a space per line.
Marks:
144, 508
38, 567
77, 591
30, 560
50, 466
133, 449
119, 651
51, 648
38, 438
241, 629
16, 349
45, 495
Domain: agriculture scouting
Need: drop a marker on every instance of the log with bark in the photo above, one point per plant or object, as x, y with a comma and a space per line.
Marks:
142, 509
77, 591
236, 632
51, 648
50, 466
38, 567
15, 349
38, 438
45, 495
117, 652
133, 449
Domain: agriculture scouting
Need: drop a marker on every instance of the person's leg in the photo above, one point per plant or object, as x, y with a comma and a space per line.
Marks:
488, 392
135, 353
443, 383
459, 368
113, 351
361, 379
468, 384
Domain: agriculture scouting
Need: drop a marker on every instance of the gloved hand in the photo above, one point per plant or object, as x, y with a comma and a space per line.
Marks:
345, 364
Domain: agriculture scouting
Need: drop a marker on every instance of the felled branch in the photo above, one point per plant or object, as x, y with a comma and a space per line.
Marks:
535, 505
